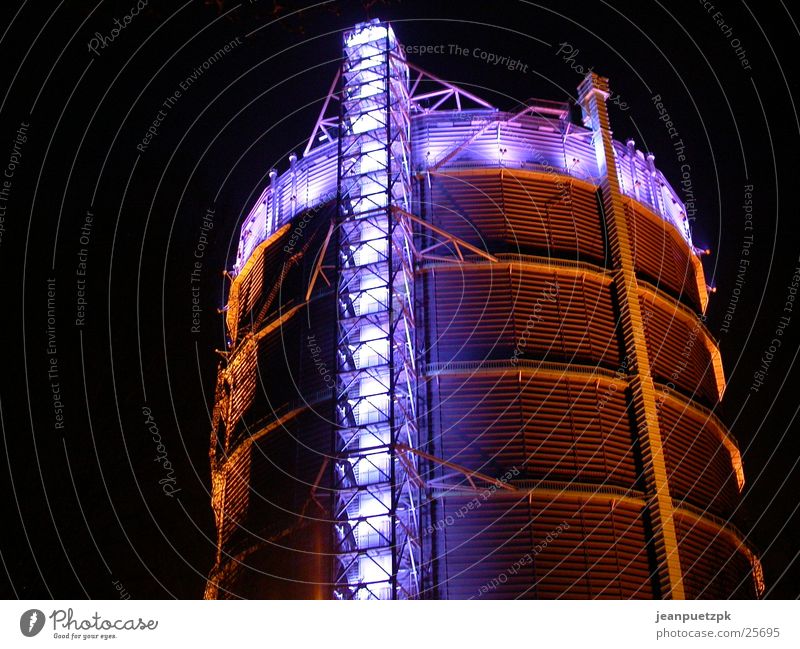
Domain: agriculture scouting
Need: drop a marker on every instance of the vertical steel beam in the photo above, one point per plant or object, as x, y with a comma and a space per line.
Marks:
592, 95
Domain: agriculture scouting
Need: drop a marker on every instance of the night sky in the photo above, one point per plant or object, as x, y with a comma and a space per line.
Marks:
103, 223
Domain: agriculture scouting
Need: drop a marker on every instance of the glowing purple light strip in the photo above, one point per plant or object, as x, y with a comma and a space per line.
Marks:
531, 142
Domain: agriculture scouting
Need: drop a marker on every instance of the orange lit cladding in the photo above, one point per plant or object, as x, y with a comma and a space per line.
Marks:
560, 334
247, 282
240, 382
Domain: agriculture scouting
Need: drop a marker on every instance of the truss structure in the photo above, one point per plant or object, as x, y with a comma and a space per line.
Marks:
456, 479
427, 93
375, 499
426, 100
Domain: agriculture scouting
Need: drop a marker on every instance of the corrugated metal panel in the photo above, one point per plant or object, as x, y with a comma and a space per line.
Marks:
553, 214
268, 504
237, 492
518, 211
679, 351
242, 376
285, 464
698, 464
493, 311
509, 547
713, 567
269, 571
553, 430
528, 141
661, 255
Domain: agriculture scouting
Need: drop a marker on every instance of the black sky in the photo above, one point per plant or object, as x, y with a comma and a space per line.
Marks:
82, 504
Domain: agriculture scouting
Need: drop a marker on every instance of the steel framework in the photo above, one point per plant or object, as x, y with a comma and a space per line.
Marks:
376, 537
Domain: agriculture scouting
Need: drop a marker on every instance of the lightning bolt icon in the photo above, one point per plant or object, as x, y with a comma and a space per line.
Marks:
32, 621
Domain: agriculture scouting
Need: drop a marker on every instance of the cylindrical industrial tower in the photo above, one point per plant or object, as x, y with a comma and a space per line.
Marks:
468, 359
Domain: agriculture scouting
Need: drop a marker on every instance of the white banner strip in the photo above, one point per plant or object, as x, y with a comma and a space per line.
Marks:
386, 625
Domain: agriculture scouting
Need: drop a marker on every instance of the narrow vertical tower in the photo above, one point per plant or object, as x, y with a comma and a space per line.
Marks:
375, 503
592, 95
